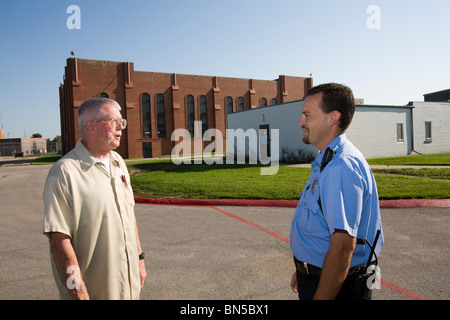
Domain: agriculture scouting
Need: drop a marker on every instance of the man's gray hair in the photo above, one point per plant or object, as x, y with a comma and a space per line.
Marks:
92, 109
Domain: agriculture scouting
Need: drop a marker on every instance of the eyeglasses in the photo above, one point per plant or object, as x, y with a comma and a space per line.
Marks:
115, 122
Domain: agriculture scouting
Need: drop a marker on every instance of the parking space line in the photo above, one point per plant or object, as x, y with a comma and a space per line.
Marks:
401, 290
382, 281
276, 235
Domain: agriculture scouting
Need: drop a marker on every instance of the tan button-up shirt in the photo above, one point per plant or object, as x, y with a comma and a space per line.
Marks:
96, 209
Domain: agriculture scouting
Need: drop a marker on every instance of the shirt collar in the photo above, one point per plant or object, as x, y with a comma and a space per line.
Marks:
335, 144
114, 159
87, 160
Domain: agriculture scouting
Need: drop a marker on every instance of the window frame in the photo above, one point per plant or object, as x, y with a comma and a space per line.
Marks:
428, 131
203, 106
146, 122
190, 115
400, 132
161, 115
239, 104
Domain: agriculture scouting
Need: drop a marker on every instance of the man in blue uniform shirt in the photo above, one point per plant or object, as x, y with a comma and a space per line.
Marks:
338, 205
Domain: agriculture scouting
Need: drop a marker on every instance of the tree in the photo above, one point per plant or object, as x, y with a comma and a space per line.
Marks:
36, 135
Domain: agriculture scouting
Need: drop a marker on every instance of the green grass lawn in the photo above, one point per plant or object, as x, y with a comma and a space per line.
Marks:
165, 179
162, 178
421, 183
432, 159
47, 159
411, 187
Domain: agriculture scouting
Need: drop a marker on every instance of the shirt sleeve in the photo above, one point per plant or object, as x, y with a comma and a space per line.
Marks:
58, 213
343, 191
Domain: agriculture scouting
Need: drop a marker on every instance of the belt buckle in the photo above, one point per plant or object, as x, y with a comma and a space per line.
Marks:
305, 265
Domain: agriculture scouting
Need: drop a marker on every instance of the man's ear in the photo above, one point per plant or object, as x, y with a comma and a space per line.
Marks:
333, 118
90, 127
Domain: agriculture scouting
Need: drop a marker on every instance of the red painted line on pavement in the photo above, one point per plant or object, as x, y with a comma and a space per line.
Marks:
276, 235
402, 290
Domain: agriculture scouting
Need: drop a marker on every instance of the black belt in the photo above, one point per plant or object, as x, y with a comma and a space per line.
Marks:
306, 268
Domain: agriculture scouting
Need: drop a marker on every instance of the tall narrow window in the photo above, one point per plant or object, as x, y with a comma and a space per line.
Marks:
161, 115
190, 114
263, 102
400, 132
146, 116
229, 104
428, 131
273, 101
240, 104
203, 114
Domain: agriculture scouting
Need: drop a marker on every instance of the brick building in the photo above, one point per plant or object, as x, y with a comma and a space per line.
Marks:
26, 146
155, 104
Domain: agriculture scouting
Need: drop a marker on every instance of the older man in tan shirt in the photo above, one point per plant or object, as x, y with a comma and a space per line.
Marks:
89, 212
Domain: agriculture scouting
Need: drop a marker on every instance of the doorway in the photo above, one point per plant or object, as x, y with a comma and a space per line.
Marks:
147, 149
264, 142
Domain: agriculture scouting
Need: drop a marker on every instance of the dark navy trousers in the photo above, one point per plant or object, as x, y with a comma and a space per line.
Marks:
307, 285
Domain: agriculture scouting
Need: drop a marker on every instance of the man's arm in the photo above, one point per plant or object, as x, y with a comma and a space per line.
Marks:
336, 265
67, 263
142, 272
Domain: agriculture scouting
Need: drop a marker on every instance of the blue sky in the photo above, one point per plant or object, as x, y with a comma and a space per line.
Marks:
407, 56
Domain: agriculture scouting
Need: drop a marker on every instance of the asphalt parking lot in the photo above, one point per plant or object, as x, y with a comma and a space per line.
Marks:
217, 253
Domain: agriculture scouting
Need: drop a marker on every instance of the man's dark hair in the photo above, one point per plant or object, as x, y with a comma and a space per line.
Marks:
338, 97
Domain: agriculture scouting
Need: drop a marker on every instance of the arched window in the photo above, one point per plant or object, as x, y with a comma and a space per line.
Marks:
229, 104
203, 114
104, 95
146, 116
240, 104
161, 115
273, 101
190, 114
263, 102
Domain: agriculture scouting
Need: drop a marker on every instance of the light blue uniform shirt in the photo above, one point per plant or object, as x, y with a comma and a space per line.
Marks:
349, 199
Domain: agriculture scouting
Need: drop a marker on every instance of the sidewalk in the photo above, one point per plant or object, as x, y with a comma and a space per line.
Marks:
12, 162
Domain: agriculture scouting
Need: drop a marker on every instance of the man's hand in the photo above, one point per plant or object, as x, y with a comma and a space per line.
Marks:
142, 272
294, 284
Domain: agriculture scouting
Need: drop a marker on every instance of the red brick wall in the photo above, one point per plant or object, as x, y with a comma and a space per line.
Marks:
86, 79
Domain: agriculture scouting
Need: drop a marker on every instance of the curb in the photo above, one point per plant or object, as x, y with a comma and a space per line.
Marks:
217, 202
15, 165
415, 203
384, 204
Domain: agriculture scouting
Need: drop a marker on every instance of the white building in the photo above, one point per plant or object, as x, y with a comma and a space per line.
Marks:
377, 131
431, 126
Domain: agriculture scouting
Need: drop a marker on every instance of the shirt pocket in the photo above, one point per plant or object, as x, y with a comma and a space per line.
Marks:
314, 222
127, 192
